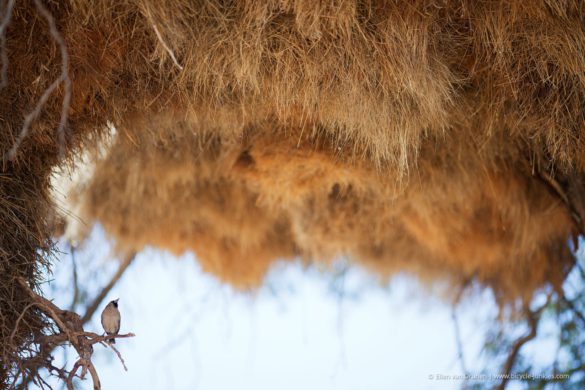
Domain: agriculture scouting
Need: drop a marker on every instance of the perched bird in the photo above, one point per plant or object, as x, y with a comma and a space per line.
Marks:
111, 320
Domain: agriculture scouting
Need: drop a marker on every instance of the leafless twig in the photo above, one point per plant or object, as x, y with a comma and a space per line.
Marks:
458, 342
533, 318
166, 47
91, 309
75, 280
163, 43
63, 78
54, 340
118, 353
96, 338
72, 374
72, 332
574, 309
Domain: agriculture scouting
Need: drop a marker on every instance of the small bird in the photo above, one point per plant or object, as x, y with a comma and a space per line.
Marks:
111, 320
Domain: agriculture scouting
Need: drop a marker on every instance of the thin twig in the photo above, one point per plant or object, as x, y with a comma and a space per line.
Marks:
71, 375
118, 353
43, 383
575, 310
580, 269
165, 46
458, 342
49, 308
63, 78
64, 74
532, 318
96, 338
92, 308
75, 280
30, 117
20, 317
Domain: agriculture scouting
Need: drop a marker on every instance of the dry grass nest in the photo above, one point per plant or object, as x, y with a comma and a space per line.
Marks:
439, 138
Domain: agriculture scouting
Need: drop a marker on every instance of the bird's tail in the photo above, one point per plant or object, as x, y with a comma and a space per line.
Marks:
111, 341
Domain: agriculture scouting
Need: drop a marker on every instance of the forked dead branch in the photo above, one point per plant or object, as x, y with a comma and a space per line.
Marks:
40, 359
70, 332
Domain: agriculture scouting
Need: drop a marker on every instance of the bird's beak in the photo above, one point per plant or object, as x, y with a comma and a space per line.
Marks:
116, 300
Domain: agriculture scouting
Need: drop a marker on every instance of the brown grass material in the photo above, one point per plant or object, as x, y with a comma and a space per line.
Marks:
442, 138
240, 206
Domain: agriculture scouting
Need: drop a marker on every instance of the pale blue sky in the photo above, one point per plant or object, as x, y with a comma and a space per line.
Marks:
294, 333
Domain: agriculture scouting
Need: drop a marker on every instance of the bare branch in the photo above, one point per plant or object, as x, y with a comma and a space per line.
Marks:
575, 310
71, 375
71, 330
63, 78
106, 290
459, 343
52, 341
533, 319
20, 317
166, 47
49, 308
64, 73
75, 280
96, 338
118, 353
94, 376
163, 43
30, 117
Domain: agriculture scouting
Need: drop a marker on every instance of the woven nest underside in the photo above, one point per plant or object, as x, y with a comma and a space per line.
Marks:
440, 138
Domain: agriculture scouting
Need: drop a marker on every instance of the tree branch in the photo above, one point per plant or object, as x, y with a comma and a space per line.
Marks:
162, 41
92, 308
532, 318
70, 325
63, 78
